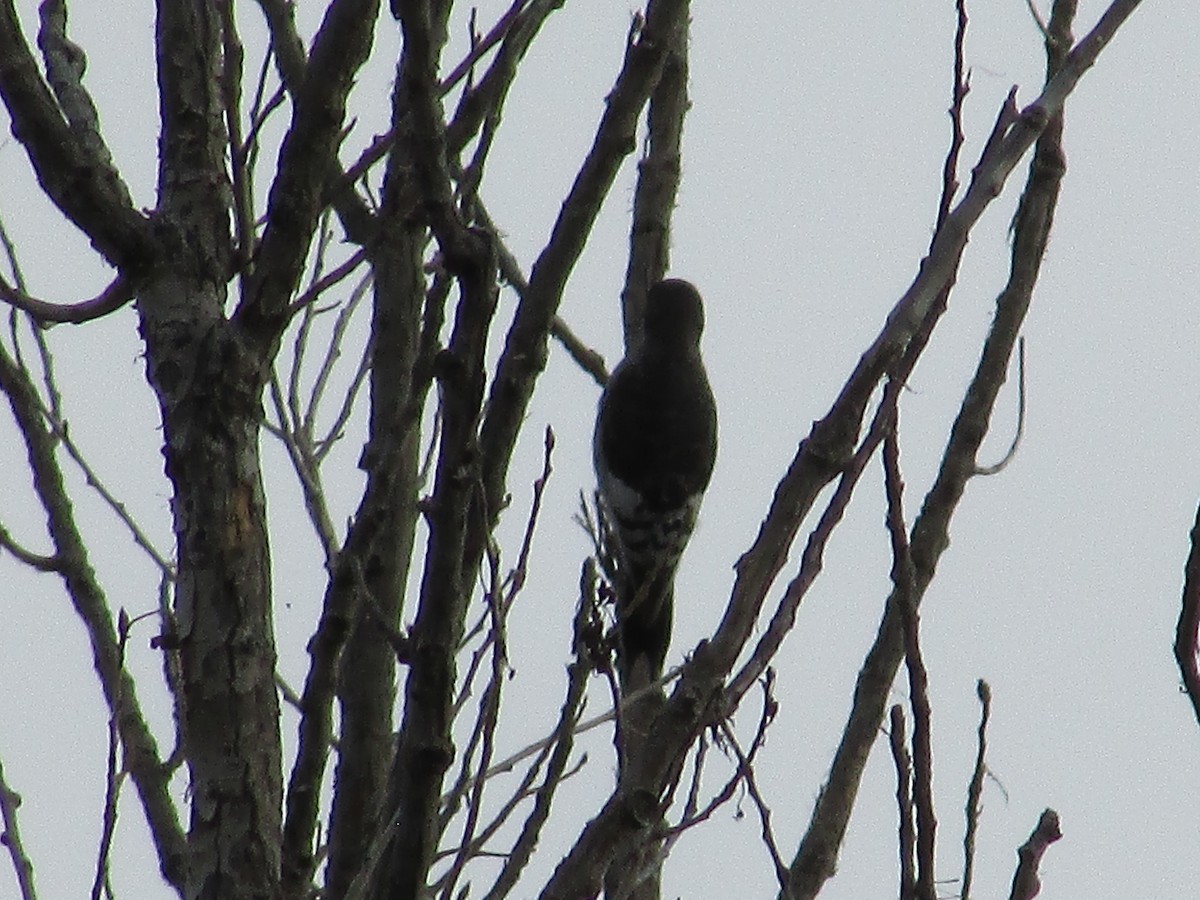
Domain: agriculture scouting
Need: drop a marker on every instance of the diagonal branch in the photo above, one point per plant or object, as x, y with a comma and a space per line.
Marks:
903, 577
65, 65
816, 857
84, 185
526, 345
697, 698
141, 752
295, 201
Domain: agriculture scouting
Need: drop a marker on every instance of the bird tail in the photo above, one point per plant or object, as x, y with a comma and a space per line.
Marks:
644, 618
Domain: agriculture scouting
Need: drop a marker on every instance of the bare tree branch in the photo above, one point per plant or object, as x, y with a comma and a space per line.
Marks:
816, 858
141, 752
904, 804
1009, 454
659, 172
562, 741
83, 185
114, 777
112, 298
28, 557
975, 790
65, 65
296, 197
1026, 883
904, 578
10, 800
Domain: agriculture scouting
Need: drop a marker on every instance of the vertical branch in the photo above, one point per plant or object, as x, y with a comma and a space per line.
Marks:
385, 526
425, 746
297, 197
526, 345
1026, 883
70, 167
903, 578
975, 790
659, 174
10, 800
232, 58
904, 830
113, 777
562, 740
816, 857
71, 561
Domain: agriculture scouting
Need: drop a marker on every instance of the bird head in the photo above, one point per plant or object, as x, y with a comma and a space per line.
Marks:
674, 313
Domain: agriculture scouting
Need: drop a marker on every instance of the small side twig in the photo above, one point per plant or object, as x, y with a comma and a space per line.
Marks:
112, 298
34, 560
562, 740
1020, 433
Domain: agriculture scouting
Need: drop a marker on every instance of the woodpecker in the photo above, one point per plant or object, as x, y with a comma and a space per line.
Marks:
653, 451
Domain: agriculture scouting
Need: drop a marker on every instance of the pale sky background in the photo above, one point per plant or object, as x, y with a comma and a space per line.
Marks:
812, 168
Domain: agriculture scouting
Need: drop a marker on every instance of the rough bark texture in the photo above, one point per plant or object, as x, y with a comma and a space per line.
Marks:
207, 386
367, 682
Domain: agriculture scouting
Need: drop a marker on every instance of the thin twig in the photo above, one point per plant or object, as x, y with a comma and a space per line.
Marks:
561, 740
112, 298
113, 777
904, 580
902, 762
325, 282
1020, 432
60, 430
584, 356
746, 768
975, 790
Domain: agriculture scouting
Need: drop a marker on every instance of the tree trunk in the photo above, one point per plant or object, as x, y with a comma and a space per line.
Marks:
208, 382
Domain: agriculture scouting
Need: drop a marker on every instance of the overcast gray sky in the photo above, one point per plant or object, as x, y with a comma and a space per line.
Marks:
813, 154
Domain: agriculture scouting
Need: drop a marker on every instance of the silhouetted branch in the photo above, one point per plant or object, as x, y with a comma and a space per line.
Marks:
296, 198
562, 742
141, 752
975, 790
902, 762
72, 169
112, 298
1026, 883
904, 581
1187, 631
816, 858
1020, 430
659, 172
10, 800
